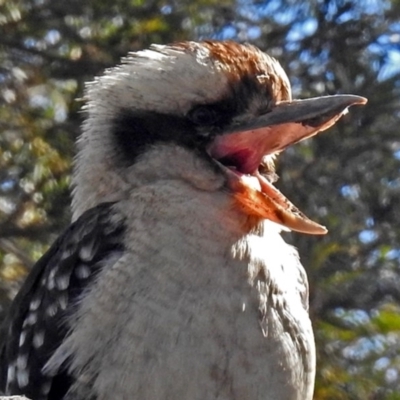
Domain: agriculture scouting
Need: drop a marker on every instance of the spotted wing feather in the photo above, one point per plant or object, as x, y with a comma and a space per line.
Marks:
36, 324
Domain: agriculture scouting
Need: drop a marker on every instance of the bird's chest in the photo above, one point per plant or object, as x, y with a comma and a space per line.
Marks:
192, 323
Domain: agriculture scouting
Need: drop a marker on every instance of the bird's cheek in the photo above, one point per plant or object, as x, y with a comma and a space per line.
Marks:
204, 176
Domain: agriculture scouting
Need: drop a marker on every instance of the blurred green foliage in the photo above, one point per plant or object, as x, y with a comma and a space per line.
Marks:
348, 179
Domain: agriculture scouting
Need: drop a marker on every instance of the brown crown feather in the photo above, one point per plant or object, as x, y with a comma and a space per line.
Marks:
246, 61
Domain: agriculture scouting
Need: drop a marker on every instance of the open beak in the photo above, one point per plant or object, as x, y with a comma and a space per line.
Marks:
241, 150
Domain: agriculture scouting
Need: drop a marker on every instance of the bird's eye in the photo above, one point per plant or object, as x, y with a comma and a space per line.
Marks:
203, 116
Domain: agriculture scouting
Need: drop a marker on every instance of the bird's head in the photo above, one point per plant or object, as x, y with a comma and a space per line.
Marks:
213, 114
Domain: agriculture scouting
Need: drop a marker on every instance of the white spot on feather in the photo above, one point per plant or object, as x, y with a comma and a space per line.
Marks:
11, 373
82, 272
30, 320
50, 280
86, 252
38, 339
34, 304
22, 361
22, 378
62, 282
51, 310
63, 301
22, 338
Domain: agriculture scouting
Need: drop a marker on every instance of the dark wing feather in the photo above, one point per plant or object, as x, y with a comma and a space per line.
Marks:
36, 324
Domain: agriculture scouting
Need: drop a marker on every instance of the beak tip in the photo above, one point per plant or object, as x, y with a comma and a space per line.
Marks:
356, 100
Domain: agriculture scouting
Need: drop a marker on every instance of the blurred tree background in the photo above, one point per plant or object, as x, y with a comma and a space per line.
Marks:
347, 179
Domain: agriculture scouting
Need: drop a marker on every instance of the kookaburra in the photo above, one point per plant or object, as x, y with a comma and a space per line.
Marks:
173, 281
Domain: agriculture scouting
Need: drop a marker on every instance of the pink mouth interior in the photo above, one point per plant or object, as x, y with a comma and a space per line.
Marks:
241, 152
